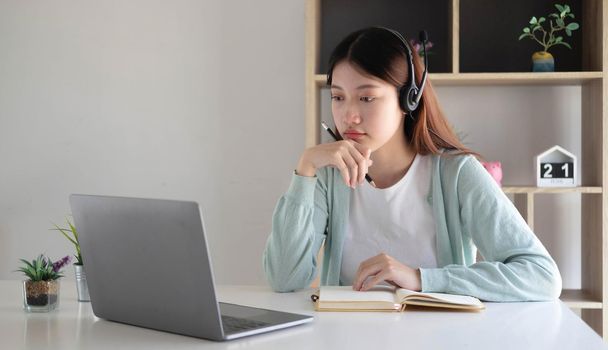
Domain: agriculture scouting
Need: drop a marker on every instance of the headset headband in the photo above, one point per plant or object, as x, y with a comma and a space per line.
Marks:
409, 93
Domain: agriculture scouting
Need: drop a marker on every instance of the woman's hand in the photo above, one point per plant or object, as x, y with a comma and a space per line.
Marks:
351, 158
386, 268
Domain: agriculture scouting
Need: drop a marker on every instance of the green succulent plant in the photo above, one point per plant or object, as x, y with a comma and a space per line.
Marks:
557, 22
43, 269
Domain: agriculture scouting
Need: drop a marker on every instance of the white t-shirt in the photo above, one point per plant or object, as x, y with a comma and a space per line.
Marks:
397, 221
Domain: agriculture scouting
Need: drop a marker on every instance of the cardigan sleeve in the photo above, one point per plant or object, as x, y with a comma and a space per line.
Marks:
516, 265
299, 226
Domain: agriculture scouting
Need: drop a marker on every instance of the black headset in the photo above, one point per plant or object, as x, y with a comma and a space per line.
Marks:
409, 93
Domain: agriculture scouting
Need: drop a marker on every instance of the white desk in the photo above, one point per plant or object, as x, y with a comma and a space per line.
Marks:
501, 326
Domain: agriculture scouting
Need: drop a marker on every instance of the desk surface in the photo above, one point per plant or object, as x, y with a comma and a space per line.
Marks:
549, 325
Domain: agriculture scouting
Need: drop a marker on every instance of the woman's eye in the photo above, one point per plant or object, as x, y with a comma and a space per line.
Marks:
336, 98
367, 99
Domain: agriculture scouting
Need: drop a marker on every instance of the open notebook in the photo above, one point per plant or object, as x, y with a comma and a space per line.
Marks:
387, 298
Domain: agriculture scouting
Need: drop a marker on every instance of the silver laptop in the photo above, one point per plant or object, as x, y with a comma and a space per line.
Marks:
147, 264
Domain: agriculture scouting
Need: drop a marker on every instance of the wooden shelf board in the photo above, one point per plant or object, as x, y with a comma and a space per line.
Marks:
515, 78
534, 189
511, 78
579, 299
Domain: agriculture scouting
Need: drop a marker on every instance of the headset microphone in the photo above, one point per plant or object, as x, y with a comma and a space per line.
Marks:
424, 38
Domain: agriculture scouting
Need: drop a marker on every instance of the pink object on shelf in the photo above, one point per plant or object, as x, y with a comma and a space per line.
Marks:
495, 169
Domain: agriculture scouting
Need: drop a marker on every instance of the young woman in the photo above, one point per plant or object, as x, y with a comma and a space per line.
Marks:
433, 205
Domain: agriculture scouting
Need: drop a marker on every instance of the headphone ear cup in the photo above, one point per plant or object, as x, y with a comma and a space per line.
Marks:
402, 103
404, 92
407, 98
411, 99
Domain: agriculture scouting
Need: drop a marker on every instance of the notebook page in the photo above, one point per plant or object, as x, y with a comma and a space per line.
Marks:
346, 294
450, 298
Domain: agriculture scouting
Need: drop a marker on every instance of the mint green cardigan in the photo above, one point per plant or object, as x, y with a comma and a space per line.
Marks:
470, 211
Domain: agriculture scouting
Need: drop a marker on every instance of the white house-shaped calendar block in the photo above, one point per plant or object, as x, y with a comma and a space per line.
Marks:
556, 167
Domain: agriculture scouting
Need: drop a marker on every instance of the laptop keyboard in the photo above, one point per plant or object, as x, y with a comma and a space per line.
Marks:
236, 324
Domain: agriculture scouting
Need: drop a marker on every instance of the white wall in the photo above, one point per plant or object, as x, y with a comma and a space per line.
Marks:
167, 99
204, 100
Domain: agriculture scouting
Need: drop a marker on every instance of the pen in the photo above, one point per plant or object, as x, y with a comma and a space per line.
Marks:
335, 137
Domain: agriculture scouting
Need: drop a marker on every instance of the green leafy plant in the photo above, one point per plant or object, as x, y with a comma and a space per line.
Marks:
43, 269
557, 22
72, 235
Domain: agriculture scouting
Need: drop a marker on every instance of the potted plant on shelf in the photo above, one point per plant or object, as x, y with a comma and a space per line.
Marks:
542, 61
81, 281
41, 290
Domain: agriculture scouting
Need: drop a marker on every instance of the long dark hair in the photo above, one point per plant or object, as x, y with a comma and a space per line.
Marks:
380, 53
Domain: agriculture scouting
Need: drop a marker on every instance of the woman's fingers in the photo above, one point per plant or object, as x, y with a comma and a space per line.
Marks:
373, 275
361, 155
379, 268
353, 167
361, 165
365, 151
346, 154
384, 268
341, 165
348, 166
380, 277
351, 159
366, 269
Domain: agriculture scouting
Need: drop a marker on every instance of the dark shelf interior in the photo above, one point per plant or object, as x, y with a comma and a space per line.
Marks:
489, 31
341, 17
